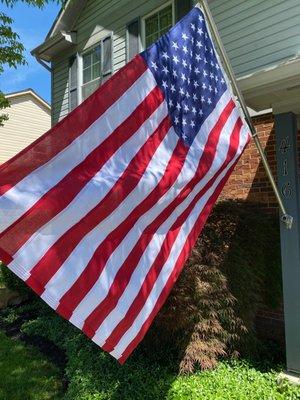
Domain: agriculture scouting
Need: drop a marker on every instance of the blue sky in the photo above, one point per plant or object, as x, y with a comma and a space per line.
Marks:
32, 24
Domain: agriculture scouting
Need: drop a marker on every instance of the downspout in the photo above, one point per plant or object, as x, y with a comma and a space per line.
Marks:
45, 65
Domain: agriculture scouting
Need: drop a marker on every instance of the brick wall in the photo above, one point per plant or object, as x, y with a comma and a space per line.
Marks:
249, 180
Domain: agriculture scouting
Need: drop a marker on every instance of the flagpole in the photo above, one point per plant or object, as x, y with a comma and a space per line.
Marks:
286, 218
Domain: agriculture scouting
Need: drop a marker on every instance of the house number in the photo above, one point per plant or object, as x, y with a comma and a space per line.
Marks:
286, 190
284, 148
285, 145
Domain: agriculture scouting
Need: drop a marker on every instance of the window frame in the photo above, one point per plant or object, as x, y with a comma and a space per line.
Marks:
80, 64
155, 11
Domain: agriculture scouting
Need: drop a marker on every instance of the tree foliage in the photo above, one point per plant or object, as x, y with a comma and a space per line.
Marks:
11, 48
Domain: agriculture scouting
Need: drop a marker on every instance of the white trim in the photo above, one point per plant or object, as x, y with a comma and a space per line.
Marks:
156, 10
32, 93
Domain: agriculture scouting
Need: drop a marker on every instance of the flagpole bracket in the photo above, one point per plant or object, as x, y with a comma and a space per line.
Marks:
287, 220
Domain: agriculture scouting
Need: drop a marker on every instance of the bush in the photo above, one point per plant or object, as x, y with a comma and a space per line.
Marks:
233, 271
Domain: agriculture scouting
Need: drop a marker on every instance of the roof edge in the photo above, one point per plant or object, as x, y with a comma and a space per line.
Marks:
28, 91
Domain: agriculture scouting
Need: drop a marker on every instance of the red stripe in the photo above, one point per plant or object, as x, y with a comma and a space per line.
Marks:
64, 192
192, 237
50, 262
87, 279
5, 257
164, 252
63, 133
124, 274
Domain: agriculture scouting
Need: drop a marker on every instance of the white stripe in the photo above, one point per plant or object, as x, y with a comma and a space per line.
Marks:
167, 269
101, 287
93, 192
83, 252
145, 263
16, 201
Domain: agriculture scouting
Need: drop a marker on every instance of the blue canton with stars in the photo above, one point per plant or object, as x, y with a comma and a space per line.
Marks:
185, 66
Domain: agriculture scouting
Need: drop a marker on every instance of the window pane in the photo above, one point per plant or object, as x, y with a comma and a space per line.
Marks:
165, 18
150, 39
87, 59
89, 88
96, 71
87, 75
151, 25
106, 67
97, 54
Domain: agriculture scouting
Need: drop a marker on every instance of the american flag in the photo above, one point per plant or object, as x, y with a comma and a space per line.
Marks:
99, 215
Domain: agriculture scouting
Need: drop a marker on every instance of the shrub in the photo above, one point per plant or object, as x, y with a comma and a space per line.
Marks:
233, 271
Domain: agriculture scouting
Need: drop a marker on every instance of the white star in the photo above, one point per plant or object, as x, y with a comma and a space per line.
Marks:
184, 137
200, 31
172, 88
211, 51
184, 63
175, 59
165, 85
201, 19
209, 100
175, 45
216, 90
192, 40
176, 120
212, 64
197, 71
181, 91
194, 110
165, 70
183, 77
184, 121
204, 73
216, 78
211, 75
205, 48
192, 124
201, 113
185, 107
165, 55
188, 81
171, 103
184, 48
187, 95
184, 36
198, 58
222, 80
153, 64
191, 53
178, 106
174, 73
206, 35
217, 66
193, 27
195, 97
190, 67
205, 60
196, 84
202, 99
199, 44
210, 88
204, 86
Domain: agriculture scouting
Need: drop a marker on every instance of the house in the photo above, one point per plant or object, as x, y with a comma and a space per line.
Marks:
90, 40
29, 117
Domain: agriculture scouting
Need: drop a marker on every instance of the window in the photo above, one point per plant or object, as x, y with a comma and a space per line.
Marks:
157, 24
96, 66
88, 70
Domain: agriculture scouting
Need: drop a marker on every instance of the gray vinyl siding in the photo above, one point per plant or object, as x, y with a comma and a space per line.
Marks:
256, 33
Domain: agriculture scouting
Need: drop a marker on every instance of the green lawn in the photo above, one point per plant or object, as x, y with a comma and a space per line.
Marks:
25, 373
94, 375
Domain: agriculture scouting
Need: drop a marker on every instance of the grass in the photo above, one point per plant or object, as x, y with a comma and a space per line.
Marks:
25, 373
94, 375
